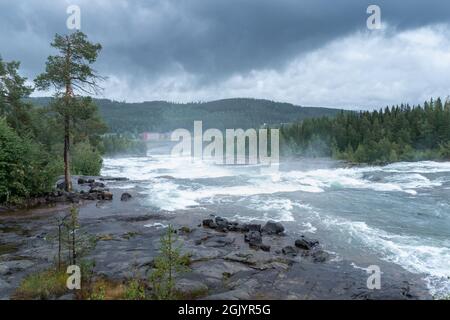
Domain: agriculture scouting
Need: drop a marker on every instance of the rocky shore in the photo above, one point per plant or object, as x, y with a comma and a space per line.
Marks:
228, 259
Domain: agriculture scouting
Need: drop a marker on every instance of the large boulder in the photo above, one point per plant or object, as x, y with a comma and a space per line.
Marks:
305, 243
125, 196
272, 227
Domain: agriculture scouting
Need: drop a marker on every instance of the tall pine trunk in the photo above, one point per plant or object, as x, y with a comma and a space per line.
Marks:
67, 179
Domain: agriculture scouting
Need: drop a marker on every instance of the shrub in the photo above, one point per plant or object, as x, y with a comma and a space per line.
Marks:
25, 169
42, 285
167, 264
86, 160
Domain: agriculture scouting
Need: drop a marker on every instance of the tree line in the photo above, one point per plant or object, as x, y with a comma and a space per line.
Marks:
397, 133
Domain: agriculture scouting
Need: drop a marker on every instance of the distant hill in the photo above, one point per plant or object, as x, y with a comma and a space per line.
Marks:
162, 116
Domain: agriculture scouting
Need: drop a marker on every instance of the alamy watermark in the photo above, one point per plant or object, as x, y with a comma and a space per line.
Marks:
73, 21
235, 147
374, 20
74, 279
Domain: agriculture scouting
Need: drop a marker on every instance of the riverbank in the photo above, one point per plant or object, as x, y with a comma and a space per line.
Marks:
223, 265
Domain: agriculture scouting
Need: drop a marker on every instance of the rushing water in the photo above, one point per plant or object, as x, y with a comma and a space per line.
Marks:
398, 213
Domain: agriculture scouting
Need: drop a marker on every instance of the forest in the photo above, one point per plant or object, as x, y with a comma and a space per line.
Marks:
163, 116
398, 133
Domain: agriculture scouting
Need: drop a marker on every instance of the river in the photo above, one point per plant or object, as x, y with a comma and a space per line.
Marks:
399, 213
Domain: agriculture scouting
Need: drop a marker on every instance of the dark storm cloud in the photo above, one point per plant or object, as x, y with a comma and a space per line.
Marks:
210, 39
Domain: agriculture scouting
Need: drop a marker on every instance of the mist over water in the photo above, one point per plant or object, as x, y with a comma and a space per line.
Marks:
398, 213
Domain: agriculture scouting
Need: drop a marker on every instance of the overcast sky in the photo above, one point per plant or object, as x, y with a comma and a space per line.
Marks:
307, 52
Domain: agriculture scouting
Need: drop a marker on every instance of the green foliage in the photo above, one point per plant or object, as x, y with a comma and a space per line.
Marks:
162, 116
134, 290
400, 133
42, 285
69, 73
86, 159
25, 169
123, 145
167, 264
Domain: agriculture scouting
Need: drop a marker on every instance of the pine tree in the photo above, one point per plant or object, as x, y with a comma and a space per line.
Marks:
70, 72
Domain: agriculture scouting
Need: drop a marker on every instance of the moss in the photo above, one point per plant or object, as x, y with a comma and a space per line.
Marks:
105, 237
42, 285
130, 235
7, 248
192, 295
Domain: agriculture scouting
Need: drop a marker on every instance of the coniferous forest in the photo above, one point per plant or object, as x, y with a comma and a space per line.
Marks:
398, 133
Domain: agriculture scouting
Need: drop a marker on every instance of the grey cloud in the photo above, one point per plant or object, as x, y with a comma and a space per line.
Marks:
145, 40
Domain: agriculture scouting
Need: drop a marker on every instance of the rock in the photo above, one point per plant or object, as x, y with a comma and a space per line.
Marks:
72, 197
125, 196
190, 288
185, 229
97, 184
234, 226
4, 284
289, 251
17, 265
209, 223
113, 179
98, 190
320, 256
107, 196
69, 296
61, 185
272, 227
251, 227
264, 247
4, 269
222, 224
305, 243
253, 238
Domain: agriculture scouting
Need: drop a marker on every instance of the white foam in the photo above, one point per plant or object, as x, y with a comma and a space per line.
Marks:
156, 225
417, 255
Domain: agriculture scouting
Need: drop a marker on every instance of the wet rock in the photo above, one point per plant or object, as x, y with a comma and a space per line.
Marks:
107, 196
222, 224
83, 180
209, 223
272, 227
113, 179
264, 247
61, 185
306, 243
320, 256
251, 227
125, 196
97, 184
98, 190
235, 227
289, 251
253, 238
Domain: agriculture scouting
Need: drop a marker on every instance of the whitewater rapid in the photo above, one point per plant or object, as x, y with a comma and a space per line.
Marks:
398, 213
